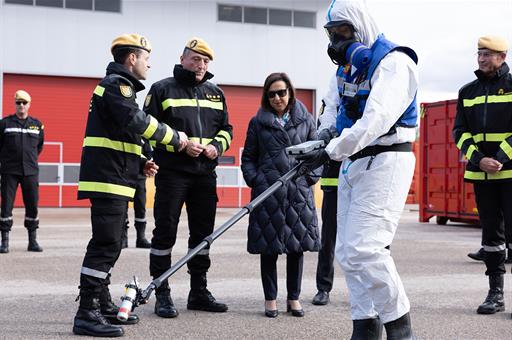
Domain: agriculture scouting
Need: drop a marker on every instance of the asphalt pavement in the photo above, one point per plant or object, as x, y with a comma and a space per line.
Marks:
38, 290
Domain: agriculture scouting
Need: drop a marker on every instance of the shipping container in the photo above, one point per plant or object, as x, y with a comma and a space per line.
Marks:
443, 192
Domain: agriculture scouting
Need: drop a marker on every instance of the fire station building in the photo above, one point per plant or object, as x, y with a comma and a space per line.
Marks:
57, 50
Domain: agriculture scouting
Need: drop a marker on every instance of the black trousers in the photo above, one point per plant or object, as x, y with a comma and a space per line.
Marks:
139, 203
325, 266
104, 248
30, 190
199, 193
494, 202
294, 265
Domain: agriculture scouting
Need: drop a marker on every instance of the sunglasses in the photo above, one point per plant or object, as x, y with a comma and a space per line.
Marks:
21, 103
280, 93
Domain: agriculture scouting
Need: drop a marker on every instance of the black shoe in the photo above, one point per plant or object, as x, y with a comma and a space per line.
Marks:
321, 298
109, 310
271, 313
366, 329
204, 300
399, 329
494, 302
295, 312
142, 243
91, 322
477, 256
164, 306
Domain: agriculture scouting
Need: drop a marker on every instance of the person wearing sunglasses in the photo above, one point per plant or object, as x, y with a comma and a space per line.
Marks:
482, 131
376, 120
286, 223
21, 142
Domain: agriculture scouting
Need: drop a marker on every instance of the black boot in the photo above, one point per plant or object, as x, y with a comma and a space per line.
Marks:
32, 242
90, 321
164, 306
124, 238
141, 242
399, 329
200, 298
366, 329
4, 246
494, 302
478, 255
110, 310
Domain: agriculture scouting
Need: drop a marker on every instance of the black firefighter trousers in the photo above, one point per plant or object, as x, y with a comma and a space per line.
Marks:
30, 190
104, 248
325, 266
199, 193
494, 202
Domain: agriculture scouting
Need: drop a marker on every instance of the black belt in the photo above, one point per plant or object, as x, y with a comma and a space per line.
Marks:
376, 149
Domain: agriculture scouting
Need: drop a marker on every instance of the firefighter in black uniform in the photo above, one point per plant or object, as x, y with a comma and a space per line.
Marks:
21, 142
139, 206
329, 186
190, 103
111, 162
325, 265
483, 132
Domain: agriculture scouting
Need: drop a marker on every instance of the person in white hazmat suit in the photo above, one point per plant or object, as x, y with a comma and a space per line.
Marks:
372, 106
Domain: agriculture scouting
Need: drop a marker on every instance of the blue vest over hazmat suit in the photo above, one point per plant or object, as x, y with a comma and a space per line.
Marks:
354, 87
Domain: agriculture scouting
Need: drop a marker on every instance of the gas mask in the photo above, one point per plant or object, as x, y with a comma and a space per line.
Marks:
345, 49
337, 49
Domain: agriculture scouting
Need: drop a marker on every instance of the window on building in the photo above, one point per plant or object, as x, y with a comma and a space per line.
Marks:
304, 19
20, 2
280, 17
265, 16
255, 15
107, 5
50, 3
79, 4
229, 13
96, 5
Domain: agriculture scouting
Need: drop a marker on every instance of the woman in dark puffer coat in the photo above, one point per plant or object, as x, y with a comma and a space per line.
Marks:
286, 223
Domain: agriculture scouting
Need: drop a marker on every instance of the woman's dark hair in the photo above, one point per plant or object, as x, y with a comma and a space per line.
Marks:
272, 78
121, 53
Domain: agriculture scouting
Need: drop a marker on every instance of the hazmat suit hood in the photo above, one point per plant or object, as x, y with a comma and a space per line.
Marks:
356, 13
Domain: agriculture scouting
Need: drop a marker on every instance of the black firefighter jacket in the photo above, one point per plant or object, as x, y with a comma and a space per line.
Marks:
286, 222
199, 110
483, 124
21, 142
112, 147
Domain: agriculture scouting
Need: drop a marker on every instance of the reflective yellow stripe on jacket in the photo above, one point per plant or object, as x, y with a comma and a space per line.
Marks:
192, 102
494, 99
107, 188
102, 142
224, 139
329, 182
480, 176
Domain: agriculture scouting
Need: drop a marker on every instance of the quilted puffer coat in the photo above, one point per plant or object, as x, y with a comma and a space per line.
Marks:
286, 222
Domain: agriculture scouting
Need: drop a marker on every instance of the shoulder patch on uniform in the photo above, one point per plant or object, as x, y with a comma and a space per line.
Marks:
148, 100
126, 91
213, 97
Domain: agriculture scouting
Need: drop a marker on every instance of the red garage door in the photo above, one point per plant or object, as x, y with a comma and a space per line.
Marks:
243, 103
61, 103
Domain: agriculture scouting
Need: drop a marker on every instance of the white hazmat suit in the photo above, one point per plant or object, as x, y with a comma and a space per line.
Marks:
372, 190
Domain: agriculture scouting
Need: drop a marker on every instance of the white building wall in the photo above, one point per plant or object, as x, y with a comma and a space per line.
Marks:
66, 42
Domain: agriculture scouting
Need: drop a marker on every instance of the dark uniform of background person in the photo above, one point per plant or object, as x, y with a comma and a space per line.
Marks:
21, 142
325, 265
188, 102
139, 206
482, 131
110, 165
